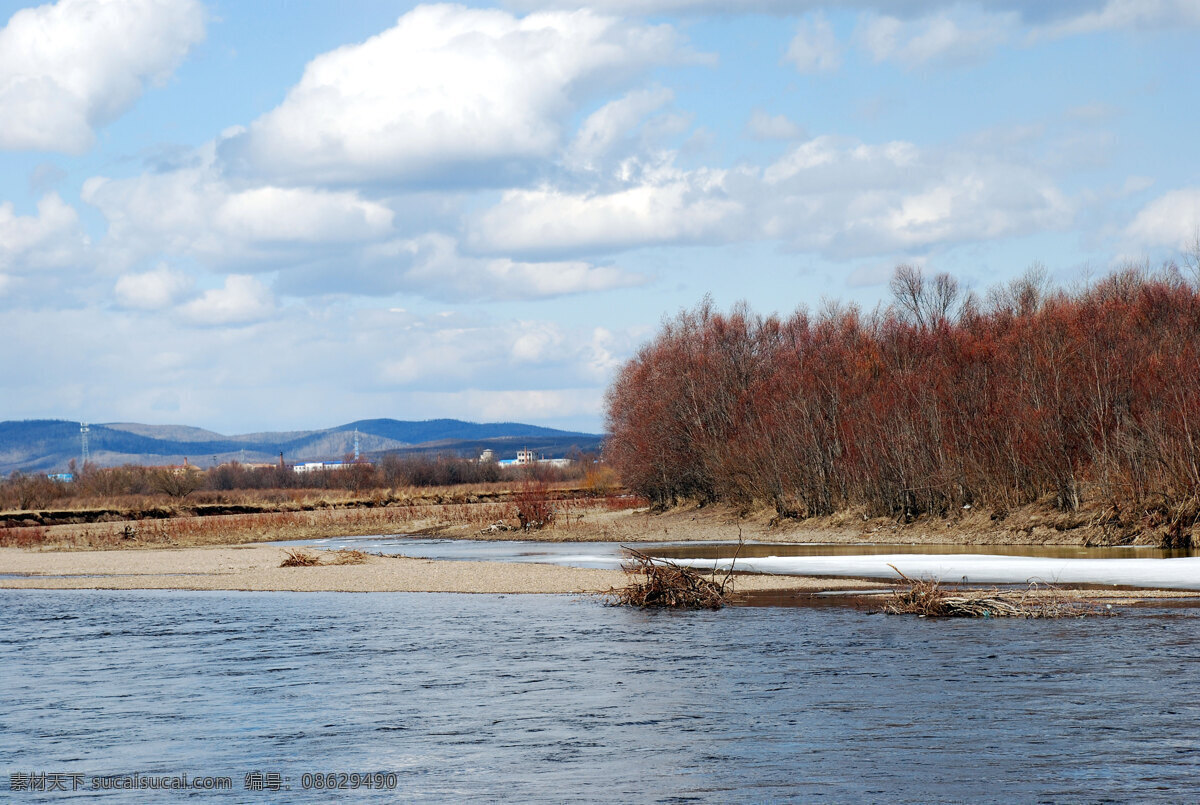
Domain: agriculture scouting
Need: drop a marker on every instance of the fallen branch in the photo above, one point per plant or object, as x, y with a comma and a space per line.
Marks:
928, 599
667, 585
300, 559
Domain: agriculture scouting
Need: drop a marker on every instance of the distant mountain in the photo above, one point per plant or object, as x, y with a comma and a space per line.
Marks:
47, 445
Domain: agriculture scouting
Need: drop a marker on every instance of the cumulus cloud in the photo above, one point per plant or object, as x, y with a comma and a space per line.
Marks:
449, 94
611, 124
152, 290
242, 300
72, 66
1124, 15
51, 239
763, 126
432, 265
524, 405
1171, 220
661, 205
834, 196
195, 211
439, 352
950, 37
844, 198
814, 48
1076, 16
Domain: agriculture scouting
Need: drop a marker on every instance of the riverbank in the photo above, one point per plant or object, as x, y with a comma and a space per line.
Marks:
578, 518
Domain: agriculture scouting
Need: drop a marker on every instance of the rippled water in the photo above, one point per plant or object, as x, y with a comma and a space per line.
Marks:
551, 699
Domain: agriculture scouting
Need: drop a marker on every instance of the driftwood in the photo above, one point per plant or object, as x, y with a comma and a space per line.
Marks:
668, 585
300, 559
929, 599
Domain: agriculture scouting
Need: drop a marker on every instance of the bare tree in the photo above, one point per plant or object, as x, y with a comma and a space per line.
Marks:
926, 304
178, 483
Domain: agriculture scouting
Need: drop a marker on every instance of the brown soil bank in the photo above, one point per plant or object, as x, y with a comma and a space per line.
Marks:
612, 518
1036, 524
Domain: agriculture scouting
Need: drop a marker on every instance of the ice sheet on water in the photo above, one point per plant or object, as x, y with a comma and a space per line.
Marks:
1181, 574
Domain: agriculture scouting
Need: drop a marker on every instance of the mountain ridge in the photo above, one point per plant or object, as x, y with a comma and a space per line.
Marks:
48, 445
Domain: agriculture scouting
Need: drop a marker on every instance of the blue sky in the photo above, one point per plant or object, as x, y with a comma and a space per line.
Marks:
251, 215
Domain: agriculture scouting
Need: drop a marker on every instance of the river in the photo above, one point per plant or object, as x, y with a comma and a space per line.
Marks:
553, 699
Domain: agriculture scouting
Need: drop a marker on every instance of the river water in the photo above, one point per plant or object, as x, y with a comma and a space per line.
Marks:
555, 699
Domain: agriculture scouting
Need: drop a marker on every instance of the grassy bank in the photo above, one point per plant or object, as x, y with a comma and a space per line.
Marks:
460, 511
567, 513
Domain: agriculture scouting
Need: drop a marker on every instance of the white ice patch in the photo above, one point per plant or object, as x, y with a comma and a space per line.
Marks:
1180, 574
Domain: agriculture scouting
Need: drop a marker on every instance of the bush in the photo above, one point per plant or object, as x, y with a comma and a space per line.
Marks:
533, 505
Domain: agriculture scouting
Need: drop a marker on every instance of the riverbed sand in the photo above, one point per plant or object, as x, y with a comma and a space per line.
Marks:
256, 567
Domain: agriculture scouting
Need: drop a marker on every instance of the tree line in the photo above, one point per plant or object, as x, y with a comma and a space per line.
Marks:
940, 400
29, 490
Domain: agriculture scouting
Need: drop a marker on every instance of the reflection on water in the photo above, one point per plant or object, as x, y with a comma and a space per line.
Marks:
608, 554
548, 699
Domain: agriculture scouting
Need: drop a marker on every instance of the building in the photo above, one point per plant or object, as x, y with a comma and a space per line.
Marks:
528, 457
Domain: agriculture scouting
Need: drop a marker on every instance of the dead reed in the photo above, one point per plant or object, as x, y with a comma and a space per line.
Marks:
667, 586
928, 599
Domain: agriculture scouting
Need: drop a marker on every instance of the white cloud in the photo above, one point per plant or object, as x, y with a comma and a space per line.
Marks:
1124, 15
611, 124
837, 197
663, 205
443, 352
449, 94
951, 37
525, 405
763, 126
51, 239
1076, 16
843, 198
815, 48
1172, 220
242, 300
437, 270
152, 290
69, 67
194, 211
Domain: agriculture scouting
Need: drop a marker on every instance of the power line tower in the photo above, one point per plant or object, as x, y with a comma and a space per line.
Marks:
83, 442
356, 445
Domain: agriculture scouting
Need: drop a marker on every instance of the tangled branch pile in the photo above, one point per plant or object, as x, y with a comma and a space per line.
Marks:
344, 556
928, 598
300, 559
667, 585
347, 556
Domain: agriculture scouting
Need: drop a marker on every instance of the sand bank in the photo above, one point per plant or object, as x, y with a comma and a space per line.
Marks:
256, 567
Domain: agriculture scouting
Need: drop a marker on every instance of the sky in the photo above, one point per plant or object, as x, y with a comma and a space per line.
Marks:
256, 215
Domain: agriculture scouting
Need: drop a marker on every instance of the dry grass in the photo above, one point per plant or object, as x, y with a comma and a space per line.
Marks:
300, 559
928, 599
667, 586
22, 537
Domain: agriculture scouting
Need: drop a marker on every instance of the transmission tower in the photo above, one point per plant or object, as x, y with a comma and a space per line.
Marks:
83, 441
356, 445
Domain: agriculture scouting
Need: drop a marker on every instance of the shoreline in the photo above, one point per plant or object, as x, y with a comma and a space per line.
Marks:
256, 568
